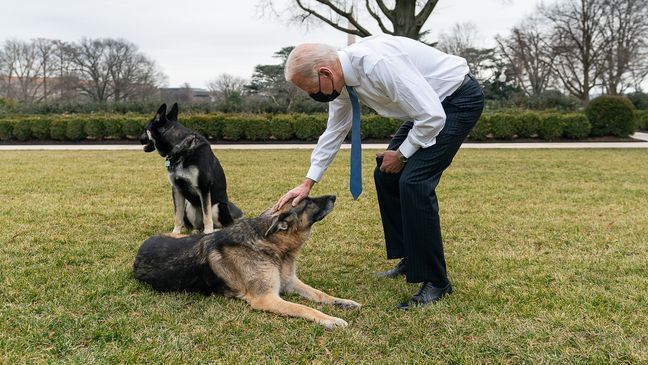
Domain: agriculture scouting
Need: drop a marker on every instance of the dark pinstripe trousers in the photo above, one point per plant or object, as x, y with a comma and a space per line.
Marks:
408, 202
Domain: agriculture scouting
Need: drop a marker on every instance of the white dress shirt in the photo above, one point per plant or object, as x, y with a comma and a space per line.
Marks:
399, 78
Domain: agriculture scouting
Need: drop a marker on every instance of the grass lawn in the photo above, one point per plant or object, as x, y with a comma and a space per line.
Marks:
547, 252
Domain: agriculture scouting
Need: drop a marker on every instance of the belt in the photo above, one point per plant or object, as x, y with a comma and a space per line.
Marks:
466, 79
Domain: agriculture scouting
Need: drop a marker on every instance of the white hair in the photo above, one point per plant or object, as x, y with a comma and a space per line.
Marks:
306, 58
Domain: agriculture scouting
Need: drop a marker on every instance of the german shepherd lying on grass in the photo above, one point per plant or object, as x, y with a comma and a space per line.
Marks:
254, 260
199, 187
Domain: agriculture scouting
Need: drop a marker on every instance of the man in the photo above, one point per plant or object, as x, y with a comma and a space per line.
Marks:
440, 103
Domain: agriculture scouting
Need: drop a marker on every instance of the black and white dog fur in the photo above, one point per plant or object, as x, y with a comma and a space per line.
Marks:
199, 187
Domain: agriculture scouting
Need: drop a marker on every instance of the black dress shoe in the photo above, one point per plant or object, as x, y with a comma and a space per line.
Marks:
426, 295
399, 269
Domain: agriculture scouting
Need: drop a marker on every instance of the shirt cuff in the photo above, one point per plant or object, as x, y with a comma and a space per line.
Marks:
315, 173
407, 148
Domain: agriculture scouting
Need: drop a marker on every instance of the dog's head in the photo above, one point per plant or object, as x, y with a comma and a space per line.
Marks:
158, 131
300, 218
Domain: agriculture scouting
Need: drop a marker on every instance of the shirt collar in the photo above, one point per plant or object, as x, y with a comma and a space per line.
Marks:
350, 76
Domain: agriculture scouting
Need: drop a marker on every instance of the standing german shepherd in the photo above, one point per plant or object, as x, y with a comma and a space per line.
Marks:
253, 260
195, 174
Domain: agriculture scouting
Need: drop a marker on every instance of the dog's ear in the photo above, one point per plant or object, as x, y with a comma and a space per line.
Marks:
173, 114
280, 222
160, 116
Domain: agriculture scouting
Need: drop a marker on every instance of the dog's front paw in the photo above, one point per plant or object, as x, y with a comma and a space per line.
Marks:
208, 230
333, 322
346, 304
176, 230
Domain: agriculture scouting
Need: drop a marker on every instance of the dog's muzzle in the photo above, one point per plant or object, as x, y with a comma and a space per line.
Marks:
144, 139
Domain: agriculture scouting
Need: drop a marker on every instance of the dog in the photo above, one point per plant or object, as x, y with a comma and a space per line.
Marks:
253, 260
199, 187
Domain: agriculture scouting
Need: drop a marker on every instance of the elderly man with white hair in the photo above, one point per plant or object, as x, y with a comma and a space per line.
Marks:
439, 103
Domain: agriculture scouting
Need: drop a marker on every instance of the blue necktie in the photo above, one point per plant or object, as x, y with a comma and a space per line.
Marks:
355, 182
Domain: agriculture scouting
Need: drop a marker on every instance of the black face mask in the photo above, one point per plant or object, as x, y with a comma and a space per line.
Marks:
320, 96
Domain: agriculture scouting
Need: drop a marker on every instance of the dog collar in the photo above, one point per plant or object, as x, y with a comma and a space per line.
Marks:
168, 164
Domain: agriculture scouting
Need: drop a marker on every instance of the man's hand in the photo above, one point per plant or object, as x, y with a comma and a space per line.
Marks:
391, 164
297, 194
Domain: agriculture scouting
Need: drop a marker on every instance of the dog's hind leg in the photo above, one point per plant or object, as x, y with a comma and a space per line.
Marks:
179, 210
208, 220
299, 287
273, 303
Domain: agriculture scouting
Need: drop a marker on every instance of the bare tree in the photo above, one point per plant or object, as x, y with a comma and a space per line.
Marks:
101, 70
397, 17
24, 69
578, 43
462, 40
65, 87
461, 37
7, 68
225, 85
626, 27
529, 56
89, 57
113, 70
45, 50
129, 70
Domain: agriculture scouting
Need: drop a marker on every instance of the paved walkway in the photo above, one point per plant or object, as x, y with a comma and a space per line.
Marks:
508, 145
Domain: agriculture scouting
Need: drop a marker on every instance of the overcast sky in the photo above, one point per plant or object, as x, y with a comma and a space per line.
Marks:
195, 40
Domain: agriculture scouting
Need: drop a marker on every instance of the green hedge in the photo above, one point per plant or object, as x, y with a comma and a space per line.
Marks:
281, 127
611, 115
551, 126
6, 129
482, 129
504, 126
547, 126
576, 126
642, 119
527, 125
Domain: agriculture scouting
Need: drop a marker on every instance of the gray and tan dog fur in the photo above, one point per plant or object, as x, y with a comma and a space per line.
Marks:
254, 260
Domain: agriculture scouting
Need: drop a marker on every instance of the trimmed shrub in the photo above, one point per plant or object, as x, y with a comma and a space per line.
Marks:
642, 119
113, 128
611, 115
6, 130
75, 130
483, 127
503, 125
639, 100
132, 127
256, 128
309, 127
22, 130
527, 125
209, 125
233, 128
40, 128
281, 127
376, 126
94, 127
551, 126
198, 124
58, 128
576, 126
215, 125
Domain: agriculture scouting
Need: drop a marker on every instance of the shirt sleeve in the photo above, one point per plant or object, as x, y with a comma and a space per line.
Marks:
328, 144
405, 86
